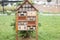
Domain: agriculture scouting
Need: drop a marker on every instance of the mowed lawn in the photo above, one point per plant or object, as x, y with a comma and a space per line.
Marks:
49, 28
7, 31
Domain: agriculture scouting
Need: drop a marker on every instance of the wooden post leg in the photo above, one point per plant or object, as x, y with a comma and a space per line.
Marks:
36, 34
37, 27
16, 35
17, 26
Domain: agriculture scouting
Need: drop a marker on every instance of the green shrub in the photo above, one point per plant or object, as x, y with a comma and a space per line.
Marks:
8, 12
26, 34
1, 8
39, 24
12, 8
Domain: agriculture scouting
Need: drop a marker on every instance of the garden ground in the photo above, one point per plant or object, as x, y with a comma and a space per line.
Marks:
49, 28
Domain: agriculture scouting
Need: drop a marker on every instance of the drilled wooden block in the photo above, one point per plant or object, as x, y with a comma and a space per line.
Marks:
31, 13
22, 27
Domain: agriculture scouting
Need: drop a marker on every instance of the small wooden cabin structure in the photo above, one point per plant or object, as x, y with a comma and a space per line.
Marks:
26, 17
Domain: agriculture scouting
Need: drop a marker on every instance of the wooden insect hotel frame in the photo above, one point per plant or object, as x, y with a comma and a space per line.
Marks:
26, 18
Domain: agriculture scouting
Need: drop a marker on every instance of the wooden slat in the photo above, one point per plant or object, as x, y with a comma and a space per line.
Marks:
16, 27
16, 22
37, 27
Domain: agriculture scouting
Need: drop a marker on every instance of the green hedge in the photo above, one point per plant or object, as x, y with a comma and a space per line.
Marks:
12, 8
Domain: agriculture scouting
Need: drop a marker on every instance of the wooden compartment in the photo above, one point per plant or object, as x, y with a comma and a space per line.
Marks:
22, 27
31, 22
22, 14
31, 18
22, 18
22, 23
31, 28
31, 13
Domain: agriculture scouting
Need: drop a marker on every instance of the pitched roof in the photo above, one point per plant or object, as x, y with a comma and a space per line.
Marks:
28, 3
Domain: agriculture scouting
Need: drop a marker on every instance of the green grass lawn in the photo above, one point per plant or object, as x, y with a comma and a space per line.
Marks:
6, 30
48, 30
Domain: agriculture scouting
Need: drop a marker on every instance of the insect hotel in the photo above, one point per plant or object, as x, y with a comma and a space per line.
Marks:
26, 17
